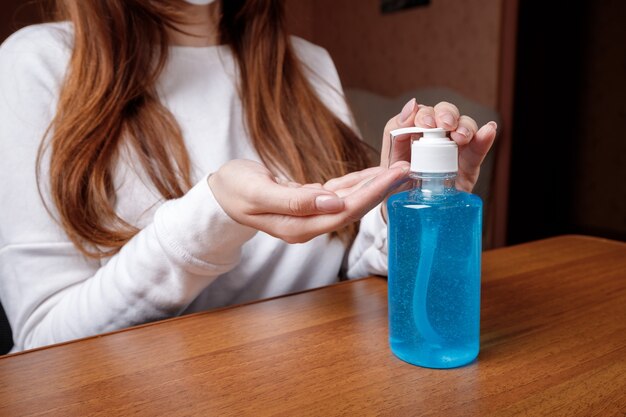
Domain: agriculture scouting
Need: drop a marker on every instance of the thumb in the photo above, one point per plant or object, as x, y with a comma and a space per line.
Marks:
401, 150
300, 201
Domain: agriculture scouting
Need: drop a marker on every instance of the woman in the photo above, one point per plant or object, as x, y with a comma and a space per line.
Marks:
114, 117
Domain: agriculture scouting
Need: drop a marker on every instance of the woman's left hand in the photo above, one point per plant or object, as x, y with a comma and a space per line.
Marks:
473, 143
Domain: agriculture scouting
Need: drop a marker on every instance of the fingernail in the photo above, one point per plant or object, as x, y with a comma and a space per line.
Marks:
429, 121
328, 203
493, 124
407, 110
447, 119
463, 131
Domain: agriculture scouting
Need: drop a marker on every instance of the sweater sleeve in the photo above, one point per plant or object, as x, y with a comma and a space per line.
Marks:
368, 254
51, 293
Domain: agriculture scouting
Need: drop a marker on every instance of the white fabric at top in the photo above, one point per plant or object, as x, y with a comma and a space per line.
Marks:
190, 255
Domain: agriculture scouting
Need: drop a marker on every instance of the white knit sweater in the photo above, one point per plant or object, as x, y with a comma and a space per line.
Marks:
189, 255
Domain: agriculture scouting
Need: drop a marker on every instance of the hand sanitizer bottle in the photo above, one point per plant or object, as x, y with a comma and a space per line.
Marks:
434, 259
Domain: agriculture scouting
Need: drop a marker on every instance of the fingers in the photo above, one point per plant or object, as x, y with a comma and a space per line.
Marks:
472, 155
246, 188
315, 186
351, 179
484, 139
359, 202
445, 115
252, 196
344, 192
465, 130
291, 200
425, 117
407, 111
286, 182
294, 229
401, 149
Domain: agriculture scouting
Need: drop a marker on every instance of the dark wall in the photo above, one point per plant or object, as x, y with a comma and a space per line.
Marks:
15, 14
569, 146
600, 195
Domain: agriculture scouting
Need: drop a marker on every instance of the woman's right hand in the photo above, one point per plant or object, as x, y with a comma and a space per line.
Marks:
251, 195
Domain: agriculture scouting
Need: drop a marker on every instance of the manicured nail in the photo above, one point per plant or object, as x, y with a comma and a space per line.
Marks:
328, 203
407, 110
463, 131
447, 119
494, 125
429, 121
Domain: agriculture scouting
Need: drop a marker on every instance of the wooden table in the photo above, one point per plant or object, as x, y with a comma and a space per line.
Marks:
553, 343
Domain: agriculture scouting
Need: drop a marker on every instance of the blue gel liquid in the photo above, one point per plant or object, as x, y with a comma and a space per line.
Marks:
434, 277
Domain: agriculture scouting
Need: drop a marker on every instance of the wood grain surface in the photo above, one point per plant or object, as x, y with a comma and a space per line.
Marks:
553, 343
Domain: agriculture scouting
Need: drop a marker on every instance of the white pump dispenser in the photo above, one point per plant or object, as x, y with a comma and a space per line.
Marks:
433, 153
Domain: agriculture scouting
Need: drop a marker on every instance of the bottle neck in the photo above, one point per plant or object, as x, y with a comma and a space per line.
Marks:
434, 183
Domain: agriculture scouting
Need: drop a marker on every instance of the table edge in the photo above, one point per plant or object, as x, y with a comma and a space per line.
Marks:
187, 316
345, 282
572, 236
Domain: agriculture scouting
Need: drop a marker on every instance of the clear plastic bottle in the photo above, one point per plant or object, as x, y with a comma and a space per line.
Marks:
434, 260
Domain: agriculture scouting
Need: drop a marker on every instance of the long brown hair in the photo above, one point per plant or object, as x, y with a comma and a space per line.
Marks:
109, 97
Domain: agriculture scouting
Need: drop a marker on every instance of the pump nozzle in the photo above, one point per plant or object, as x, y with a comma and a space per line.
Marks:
433, 153
435, 133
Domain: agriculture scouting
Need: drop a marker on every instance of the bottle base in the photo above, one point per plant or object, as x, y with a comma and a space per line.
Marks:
437, 358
